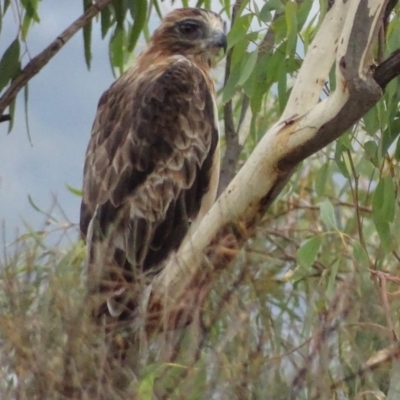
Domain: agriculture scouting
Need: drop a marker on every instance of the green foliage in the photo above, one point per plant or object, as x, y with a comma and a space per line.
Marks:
126, 19
87, 35
139, 14
308, 251
30, 15
9, 64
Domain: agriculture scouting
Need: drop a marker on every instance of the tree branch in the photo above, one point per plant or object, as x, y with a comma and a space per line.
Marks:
388, 70
38, 62
345, 38
5, 117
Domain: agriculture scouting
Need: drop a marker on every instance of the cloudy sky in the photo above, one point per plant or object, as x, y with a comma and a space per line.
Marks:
62, 104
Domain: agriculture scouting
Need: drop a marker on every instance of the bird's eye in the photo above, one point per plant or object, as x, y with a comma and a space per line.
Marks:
188, 27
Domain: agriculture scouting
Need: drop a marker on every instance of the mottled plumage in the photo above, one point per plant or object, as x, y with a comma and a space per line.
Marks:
152, 164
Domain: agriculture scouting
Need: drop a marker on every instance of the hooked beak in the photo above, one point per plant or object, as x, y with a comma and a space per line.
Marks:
219, 40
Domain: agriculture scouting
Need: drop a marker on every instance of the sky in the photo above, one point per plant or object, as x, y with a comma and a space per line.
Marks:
62, 104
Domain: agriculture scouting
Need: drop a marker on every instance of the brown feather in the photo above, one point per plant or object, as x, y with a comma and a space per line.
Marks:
149, 162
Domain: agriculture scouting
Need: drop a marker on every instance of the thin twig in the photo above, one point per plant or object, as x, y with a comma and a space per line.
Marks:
5, 117
382, 279
330, 323
388, 70
354, 193
381, 358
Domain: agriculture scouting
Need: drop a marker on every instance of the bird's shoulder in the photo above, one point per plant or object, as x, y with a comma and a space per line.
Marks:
147, 120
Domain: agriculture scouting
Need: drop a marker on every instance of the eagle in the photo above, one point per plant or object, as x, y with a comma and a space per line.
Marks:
152, 164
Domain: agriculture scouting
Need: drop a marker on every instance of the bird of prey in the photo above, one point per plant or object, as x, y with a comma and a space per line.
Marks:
152, 164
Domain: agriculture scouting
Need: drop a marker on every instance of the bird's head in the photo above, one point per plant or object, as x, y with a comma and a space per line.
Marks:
191, 32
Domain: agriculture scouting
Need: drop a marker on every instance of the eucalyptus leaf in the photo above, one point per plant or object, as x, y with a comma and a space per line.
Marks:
239, 29
248, 67
87, 36
138, 23
308, 251
9, 64
384, 201
327, 213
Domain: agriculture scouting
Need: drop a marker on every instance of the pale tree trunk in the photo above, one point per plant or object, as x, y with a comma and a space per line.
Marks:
344, 40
